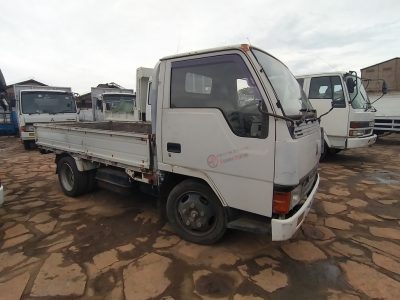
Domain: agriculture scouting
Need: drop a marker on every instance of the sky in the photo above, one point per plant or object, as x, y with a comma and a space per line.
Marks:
81, 43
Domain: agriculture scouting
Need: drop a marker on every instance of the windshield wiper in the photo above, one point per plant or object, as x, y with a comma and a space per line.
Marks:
261, 110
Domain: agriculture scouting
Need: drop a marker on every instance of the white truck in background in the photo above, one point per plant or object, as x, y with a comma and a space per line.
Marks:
382, 82
42, 104
215, 161
348, 118
143, 85
387, 115
110, 104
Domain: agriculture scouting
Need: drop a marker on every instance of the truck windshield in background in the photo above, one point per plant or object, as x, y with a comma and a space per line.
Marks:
359, 98
119, 103
47, 102
287, 89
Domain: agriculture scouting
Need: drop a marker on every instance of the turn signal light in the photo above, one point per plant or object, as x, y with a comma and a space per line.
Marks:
281, 203
359, 124
23, 129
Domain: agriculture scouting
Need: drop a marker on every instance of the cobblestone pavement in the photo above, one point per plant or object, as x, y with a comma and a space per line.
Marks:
107, 246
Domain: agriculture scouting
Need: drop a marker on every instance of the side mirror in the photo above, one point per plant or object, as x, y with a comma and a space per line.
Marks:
384, 88
350, 85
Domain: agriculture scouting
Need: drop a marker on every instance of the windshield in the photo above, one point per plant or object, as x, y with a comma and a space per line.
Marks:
47, 102
287, 89
359, 98
119, 103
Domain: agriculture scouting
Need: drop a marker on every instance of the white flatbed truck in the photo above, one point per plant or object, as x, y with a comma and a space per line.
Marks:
216, 161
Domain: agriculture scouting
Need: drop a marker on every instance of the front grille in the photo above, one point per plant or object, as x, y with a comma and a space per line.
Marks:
382, 124
305, 129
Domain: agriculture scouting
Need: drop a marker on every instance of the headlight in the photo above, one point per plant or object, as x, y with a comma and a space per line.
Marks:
296, 196
355, 132
371, 124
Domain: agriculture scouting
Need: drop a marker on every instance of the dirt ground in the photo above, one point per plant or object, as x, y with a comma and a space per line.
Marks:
107, 246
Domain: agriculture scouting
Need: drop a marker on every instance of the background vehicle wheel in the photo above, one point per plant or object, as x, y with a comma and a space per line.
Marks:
195, 212
72, 181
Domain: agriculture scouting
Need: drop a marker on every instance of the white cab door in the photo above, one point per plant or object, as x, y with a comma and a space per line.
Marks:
321, 91
211, 126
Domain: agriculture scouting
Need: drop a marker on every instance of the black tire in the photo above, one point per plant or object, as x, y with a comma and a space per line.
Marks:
196, 213
72, 181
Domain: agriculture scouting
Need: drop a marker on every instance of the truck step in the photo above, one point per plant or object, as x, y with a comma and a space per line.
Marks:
115, 180
250, 225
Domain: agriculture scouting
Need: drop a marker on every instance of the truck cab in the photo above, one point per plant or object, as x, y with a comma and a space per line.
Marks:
236, 119
119, 106
42, 105
113, 104
350, 123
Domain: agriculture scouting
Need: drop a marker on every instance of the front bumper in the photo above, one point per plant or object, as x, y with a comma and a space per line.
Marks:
284, 229
1, 195
358, 142
28, 135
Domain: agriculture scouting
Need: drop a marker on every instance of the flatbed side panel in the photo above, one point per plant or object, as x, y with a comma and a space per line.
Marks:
127, 150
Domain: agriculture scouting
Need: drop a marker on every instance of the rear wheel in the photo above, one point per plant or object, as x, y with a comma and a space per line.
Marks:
72, 181
196, 213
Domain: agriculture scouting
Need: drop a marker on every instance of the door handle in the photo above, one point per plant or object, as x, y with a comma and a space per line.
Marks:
174, 147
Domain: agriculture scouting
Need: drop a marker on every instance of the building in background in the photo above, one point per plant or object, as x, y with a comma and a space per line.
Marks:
388, 70
387, 115
10, 88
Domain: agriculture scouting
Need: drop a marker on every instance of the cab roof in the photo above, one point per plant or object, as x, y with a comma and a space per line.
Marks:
337, 73
232, 47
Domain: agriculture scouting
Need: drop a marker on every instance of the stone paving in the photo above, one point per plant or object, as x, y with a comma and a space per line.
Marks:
107, 246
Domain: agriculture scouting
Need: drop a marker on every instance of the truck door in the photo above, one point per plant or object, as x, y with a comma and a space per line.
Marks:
211, 125
322, 90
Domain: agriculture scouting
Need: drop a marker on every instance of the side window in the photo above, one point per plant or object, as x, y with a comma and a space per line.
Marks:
320, 88
327, 87
197, 84
338, 95
223, 82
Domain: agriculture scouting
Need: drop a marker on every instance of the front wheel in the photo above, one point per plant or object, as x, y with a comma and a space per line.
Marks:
196, 213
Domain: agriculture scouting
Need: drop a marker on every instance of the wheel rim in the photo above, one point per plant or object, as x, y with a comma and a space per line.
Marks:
196, 214
67, 177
